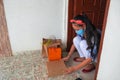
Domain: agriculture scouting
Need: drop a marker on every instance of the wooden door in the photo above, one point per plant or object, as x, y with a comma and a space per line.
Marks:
5, 49
94, 9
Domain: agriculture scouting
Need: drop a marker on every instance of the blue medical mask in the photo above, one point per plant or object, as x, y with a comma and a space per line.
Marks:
80, 32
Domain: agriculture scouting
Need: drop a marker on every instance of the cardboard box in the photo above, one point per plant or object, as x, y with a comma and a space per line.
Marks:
51, 49
47, 43
56, 68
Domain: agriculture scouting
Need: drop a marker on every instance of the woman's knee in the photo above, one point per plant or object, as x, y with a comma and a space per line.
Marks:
76, 40
83, 44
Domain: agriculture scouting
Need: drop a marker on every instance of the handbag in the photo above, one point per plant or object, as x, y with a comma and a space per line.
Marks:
54, 53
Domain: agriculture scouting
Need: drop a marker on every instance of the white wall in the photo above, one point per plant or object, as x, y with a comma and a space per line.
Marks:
29, 21
109, 68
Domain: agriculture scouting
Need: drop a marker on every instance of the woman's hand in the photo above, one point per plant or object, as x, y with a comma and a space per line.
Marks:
66, 58
70, 70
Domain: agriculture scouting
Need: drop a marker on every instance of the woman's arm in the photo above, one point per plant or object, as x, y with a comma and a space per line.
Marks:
72, 49
79, 66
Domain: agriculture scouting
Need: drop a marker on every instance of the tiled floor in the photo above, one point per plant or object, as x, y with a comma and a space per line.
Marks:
31, 66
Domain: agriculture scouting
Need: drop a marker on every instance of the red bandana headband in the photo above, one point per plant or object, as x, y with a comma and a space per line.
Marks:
79, 22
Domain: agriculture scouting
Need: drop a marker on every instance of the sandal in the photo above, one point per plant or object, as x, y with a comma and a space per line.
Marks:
88, 70
78, 59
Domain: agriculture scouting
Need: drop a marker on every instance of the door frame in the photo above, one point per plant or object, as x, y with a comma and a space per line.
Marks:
5, 46
102, 34
102, 37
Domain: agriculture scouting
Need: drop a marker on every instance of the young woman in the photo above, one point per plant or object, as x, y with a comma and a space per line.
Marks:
86, 42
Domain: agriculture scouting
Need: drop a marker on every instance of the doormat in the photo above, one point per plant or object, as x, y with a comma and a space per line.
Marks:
56, 68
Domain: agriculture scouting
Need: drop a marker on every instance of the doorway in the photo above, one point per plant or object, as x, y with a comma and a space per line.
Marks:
96, 10
5, 48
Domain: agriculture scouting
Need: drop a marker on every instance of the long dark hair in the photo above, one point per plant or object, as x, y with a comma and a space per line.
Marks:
90, 32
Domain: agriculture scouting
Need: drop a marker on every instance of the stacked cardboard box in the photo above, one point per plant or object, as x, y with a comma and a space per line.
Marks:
51, 49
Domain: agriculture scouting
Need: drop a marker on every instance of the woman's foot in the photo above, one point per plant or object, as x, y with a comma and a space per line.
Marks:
89, 68
79, 59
